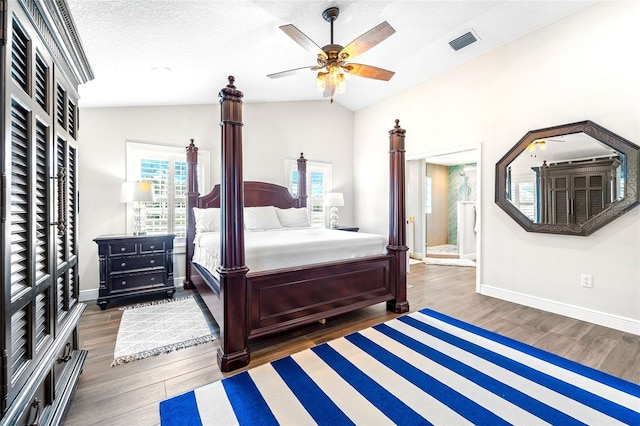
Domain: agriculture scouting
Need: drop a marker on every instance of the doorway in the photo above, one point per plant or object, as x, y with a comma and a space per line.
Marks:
443, 206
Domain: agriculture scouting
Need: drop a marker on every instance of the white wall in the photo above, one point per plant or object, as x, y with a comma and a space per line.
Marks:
272, 133
582, 67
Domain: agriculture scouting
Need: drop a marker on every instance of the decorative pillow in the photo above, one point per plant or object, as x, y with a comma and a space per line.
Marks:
207, 220
293, 217
259, 218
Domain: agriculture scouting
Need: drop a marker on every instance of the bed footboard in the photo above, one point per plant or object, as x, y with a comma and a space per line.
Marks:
280, 300
283, 299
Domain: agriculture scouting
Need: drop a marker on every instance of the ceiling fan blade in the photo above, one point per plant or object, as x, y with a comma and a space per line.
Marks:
367, 40
292, 72
368, 71
302, 39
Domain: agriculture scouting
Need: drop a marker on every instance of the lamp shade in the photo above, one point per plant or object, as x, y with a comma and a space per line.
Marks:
136, 191
334, 199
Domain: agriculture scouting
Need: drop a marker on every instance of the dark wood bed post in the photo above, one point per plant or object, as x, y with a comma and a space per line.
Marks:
302, 181
397, 217
192, 199
233, 352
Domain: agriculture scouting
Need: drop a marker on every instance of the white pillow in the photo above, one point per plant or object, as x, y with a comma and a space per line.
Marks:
293, 217
207, 220
259, 218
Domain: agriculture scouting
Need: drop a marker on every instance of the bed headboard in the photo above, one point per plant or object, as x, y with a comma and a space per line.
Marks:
256, 194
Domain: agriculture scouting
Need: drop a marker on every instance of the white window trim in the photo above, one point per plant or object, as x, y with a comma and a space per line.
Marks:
135, 149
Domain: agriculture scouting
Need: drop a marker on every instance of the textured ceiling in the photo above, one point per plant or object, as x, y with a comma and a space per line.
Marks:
204, 41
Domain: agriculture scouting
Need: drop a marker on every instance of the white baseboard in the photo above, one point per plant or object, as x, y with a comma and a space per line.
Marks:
604, 319
87, 295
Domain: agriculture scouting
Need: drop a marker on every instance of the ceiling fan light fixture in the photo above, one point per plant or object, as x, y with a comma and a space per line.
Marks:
341, 85
539, 144
321, 81
332, 57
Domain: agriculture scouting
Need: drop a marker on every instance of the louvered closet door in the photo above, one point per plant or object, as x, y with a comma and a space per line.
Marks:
66, 228
39, 267
28, 277
589, 195
28, 300
559, 209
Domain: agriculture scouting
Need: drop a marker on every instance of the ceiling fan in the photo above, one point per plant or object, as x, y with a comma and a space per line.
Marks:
541, 144
332, 58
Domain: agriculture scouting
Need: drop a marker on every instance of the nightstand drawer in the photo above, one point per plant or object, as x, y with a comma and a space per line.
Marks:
151, 246
120, 264
124, 283
122, 248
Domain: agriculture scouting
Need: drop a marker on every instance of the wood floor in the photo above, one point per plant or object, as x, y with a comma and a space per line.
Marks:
129, 394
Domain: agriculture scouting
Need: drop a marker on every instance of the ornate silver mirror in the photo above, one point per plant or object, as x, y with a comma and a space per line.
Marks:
571, 179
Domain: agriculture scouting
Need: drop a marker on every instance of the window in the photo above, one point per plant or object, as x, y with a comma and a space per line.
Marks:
319, 176
523, 194
166, 167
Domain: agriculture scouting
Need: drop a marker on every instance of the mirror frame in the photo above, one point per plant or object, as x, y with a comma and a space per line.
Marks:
610, 213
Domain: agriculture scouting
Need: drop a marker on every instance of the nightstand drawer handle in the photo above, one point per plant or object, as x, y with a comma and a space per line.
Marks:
123, 249
152, 247
152, 261
153, 278
123, 264
124, 283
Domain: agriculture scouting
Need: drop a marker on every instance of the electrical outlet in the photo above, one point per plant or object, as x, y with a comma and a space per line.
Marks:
586, 280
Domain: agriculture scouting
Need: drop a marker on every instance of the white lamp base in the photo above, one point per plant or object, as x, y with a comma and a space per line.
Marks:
333, 217
139, 219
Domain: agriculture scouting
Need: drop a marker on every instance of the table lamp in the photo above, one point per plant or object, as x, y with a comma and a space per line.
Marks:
138, 193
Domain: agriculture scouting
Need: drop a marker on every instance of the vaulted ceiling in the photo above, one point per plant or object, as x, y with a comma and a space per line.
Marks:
204, 41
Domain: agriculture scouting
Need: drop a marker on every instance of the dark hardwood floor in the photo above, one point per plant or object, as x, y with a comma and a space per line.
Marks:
129, 394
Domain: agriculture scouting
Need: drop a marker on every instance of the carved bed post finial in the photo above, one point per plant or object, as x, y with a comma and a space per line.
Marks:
397, 219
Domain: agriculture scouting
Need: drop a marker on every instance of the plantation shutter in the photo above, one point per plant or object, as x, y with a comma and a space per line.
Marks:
168, 213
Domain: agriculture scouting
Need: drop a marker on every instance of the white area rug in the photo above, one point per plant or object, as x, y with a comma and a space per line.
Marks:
157, 328
449, 262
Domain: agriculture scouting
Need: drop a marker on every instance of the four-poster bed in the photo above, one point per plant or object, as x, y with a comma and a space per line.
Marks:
248, 304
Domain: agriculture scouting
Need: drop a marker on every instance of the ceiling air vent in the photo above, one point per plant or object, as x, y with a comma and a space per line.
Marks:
463, 41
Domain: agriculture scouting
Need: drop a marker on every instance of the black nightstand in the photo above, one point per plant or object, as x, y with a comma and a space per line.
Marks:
348, 228
134, 265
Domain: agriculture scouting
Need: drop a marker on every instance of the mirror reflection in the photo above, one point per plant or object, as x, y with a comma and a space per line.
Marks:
570, 179
566, 179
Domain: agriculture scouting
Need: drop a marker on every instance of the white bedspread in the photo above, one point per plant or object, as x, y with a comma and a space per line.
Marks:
285, 248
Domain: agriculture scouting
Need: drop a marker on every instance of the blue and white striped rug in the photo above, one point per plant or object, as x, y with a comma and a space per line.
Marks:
422, 368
